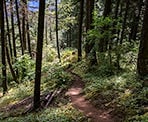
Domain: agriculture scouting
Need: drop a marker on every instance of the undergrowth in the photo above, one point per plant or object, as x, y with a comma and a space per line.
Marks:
120, 91
62, 114
105, 86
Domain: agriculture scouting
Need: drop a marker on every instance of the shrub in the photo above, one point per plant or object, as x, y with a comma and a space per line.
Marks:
26, 67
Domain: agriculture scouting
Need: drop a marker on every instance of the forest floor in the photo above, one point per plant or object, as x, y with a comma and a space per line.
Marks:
79, 102
76, 98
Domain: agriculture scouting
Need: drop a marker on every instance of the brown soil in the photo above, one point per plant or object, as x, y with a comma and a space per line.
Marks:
79, 102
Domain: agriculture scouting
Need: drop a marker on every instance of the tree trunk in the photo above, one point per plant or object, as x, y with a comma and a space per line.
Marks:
28, 33
89, 20
124, 21
57, 38
3, 45
13, 31
118, 38
28, 38
135, 23
24, 3
107, 8
46, 31
117, 9
10, 66
142, 64
50, 31
39, 54
8, 30
80, 30
19, 27
70, 39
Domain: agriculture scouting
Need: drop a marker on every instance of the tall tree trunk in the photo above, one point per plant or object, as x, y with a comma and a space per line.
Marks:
8, 30
28, 38
123, 32
28, 33
46, 31
117, 9
19, 27
39, 54
118, 38
10, 66
3, 45
70, 39
24, 4
107, 8
67, 38
13, 31
80, 30
89, 20
57, 38
124, 21
50, 30
135, 23
142, 64
115, 31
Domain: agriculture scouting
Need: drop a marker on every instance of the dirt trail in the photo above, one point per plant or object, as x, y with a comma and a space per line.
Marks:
80, 103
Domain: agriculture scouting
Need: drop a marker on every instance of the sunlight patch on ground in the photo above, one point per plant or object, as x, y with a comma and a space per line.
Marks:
1, 94
74, 91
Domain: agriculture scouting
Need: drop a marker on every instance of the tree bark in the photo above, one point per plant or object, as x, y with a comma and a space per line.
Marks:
10, 66
89, 20
13, 30
28, 38
19, 27
46, 31
142, 64
24, 7
3, 45
39, 54
57, 38
103, 45
135, 23
50, 31
117, 9
8, 30
107, 8
80, 30
124, 21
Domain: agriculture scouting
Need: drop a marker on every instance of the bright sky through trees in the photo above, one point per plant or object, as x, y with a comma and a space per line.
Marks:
34, 5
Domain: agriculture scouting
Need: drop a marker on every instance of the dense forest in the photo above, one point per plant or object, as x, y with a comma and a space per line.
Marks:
73, 61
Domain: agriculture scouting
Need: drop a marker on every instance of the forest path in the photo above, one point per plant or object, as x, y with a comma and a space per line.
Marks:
79, 102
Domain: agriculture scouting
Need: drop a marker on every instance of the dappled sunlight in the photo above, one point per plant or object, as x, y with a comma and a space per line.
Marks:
74, 91
73, 61
16, 93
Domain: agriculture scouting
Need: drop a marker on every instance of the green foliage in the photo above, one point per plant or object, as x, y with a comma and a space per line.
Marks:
25, 67
54, 76
69, 55
62, 114
67, 14
114, 55
101, 36
61, 78
139, 118
49, 54
120, 91
103, 30
16, 93
81, 68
